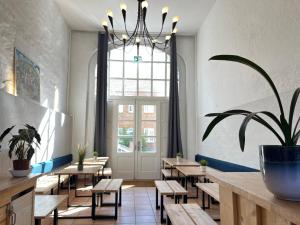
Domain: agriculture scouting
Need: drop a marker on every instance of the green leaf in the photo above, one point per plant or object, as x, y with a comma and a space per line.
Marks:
219, 118
244, 125
293, 105
36, 134
239, 59
287, 132
30, 153
6, 132
296, 126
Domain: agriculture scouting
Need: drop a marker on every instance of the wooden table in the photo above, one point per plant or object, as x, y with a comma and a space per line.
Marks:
90, 170
173, 162
45, 205
244, 199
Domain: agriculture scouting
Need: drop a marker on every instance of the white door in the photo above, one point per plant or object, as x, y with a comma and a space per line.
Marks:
136, 154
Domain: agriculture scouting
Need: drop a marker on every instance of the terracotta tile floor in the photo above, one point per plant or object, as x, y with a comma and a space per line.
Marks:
138, 208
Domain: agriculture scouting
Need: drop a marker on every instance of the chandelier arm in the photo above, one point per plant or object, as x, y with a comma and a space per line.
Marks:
134, 34
113, 31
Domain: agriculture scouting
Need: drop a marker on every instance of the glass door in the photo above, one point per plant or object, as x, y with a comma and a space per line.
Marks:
136, 154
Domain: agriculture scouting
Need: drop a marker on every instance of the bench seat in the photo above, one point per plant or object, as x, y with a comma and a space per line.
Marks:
212, 189
107, 172
107, 186
166, 188
188, 214
47, 183
167, 174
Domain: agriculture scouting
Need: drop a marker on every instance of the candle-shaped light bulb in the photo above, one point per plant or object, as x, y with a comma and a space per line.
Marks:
154, 41
104, 23
144, 4
165, 10
168, 37
124, 37
138, 40
109, 13
175, 31
123, 6
175, 19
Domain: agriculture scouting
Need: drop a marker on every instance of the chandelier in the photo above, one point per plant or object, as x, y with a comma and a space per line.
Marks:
140, 34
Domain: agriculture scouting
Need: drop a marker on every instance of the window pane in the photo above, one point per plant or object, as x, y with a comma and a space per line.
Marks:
168, 89
145, 53
125, 145
148, 144
130, 52
159, 88
148, 128
148, 112
130, 70
168, 58
159, 55
144, 87
115, 87
159, 70
145, 70
116, 54
116, 69
126, 112
126, 128
168, 71
130, 87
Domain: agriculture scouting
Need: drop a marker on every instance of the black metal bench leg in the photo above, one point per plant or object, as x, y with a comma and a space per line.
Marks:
101, 199
168, 222
120, 196
156, 198
203, 200
162, 209
37, 222
116, 206
185, 197
55, 218
93, 205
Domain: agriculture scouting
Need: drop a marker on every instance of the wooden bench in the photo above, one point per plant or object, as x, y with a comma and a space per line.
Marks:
107, 186
211, 189
45, 205
170, 174
166, 188
47, 183
187, 214
107, 172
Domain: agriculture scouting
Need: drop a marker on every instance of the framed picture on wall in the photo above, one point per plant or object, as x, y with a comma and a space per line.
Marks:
27, 77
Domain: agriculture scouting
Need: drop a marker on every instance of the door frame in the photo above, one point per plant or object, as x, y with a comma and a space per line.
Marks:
136, 102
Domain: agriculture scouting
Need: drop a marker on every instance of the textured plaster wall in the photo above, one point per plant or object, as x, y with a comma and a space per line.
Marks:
36, 28
267, 32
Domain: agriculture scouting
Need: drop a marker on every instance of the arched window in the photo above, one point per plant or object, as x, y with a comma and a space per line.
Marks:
138, 74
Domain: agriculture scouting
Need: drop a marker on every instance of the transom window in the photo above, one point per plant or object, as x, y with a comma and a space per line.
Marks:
143, 74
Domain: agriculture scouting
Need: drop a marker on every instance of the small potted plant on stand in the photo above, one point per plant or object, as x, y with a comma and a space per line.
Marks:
203, 164
95, 154
81, 156
21, 148
280, 164
178, 156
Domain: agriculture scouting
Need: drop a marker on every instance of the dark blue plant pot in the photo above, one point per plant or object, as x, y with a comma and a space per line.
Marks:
280, 167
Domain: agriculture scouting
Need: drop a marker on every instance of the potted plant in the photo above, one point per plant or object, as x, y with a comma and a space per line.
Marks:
81, 156
280, 164
21, 148
178, 156
95, 154
203, 164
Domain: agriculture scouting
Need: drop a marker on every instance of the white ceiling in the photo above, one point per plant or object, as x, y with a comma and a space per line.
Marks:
86, 15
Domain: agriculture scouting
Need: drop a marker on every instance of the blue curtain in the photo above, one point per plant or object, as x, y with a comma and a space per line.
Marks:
101, 98
174, 133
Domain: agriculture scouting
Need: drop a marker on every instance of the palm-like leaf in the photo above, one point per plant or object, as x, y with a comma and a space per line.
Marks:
293, 105
6, 132
239, 59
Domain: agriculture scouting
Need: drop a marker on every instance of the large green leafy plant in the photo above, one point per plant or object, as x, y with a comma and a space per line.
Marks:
22, 144
287, 133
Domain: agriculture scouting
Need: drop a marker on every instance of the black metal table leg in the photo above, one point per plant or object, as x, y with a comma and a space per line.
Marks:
58, 185
69, 190
156, 198
162, 209
185, 199
168, 222
55, 217
37, 222
203, 200
120, 196
116, 206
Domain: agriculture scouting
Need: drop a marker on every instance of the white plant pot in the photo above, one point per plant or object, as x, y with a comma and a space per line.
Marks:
95, 158
178, 158
20, 173
203, 168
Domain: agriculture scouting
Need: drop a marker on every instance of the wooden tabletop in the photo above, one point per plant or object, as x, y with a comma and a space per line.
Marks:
251, 187
181, 162
72, 170
195, 171
45, 204
108, 185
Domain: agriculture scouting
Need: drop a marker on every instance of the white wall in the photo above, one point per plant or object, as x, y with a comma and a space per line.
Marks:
267, 32
37, 29
83, 45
